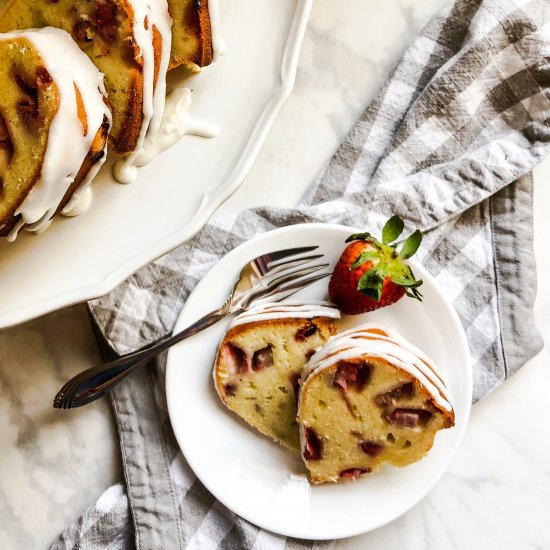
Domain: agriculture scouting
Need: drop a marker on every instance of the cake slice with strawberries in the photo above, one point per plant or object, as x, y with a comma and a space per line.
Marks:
260, 361
369, 397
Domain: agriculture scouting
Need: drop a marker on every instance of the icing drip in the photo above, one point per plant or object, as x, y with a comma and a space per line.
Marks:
218, 45
67, 147
285, 310
12, 235
168, 120
148, 14
377, 340
78, 203
176, 123
162, 21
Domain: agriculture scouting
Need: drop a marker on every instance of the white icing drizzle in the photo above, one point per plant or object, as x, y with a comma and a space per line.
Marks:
218, 45
67, 146
286, 310
165, 120
12, 235
162, 21
78, 204
148, 14
176, 123
377, 340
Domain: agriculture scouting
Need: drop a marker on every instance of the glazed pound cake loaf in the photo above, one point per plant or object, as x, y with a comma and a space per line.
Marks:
260, 361
54, 123
369, 397
128, 40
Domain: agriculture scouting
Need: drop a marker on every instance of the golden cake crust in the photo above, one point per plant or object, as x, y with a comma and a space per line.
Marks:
191, 33
9, 220
110, 45
29, 102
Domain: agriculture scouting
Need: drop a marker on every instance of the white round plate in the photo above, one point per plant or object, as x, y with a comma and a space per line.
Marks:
128, 226
261, 481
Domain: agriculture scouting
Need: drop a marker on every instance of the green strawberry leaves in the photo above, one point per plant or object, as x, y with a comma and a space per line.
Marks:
392, 229
371, 282
368, 256
410, 246
360, 237
407, 280
413, 293
385, 262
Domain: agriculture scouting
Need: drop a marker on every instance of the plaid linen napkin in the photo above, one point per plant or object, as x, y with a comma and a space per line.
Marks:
448, 144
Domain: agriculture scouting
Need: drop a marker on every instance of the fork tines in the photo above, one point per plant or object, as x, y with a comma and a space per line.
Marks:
289, 255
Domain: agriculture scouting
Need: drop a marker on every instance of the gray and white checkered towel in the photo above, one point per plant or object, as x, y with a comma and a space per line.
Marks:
448, 144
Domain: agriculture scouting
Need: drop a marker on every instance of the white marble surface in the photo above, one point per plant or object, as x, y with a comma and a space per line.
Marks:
496, 494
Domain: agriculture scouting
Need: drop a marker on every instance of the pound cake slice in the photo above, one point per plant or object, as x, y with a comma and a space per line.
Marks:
260, 361
369, 397
54, 123
128, 40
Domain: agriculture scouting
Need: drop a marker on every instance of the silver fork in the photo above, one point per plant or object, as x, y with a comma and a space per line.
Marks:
268, 278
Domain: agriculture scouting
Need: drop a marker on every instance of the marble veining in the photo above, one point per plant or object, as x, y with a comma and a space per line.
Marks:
53, 464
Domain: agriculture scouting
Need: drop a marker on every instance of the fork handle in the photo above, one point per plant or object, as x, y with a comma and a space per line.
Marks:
102, 379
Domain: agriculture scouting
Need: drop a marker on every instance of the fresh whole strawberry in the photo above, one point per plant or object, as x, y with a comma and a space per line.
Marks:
371, 274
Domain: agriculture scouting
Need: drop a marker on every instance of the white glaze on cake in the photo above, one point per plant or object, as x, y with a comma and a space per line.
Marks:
67, 145
169, 119
378, 340
176, 123
218, 45
148, 14
78, 204
286, 310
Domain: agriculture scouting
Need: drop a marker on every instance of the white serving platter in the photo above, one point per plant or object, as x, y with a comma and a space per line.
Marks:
81, 258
